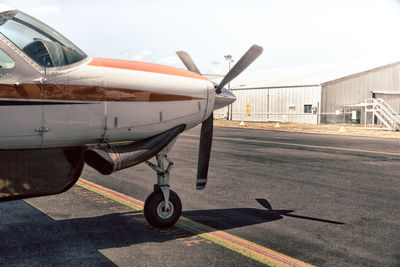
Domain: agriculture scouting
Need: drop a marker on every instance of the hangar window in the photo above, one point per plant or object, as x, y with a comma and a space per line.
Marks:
5, 61
307, 109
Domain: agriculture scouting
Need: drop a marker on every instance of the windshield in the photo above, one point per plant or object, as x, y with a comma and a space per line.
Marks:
44, 45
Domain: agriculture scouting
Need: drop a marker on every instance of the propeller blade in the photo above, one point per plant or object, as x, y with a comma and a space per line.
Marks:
248, 58
204, 152
187, 61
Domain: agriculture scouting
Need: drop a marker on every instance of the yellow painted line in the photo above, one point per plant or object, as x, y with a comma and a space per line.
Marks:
299, 145
234, 243
111, 194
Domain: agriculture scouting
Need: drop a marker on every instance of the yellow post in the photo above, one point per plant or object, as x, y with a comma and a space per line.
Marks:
248, 110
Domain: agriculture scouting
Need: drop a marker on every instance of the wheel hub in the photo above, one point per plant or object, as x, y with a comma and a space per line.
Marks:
165, 212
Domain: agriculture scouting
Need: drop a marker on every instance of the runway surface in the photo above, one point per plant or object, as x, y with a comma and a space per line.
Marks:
272, 197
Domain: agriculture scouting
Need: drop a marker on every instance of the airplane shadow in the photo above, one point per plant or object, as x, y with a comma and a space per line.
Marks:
26, 233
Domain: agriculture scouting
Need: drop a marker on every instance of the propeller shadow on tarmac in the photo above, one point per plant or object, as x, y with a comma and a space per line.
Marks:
267, 205
223, 219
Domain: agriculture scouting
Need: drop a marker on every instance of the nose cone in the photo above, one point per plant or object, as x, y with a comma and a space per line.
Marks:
224, 98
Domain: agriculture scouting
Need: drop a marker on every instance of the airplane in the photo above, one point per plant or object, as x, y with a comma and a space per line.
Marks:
61, 109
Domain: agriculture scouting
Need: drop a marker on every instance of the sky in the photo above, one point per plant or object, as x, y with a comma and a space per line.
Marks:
292, 32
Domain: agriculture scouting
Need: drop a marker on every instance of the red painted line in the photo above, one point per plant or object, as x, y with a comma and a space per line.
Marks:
276, 257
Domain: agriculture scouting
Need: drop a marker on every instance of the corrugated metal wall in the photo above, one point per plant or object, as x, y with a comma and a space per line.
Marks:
258, 101
393, 100
275, 104
356, 89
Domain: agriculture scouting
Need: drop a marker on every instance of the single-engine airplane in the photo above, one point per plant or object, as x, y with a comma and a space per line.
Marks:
61, 109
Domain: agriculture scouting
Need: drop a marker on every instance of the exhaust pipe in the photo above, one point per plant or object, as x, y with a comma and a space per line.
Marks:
111, 159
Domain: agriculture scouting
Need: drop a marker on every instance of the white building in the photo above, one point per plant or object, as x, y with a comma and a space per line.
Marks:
313, 94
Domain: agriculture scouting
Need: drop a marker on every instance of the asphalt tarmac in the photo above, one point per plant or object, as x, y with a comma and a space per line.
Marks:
325, 200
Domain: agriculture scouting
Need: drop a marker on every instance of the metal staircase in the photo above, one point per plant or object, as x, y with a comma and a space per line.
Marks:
385, 113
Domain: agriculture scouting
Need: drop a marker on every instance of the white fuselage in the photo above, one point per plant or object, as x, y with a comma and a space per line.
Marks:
99, 101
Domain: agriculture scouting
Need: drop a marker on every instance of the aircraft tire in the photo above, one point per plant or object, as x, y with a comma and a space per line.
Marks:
155, 213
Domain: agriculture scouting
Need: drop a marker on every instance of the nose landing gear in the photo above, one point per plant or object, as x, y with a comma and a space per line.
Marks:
163, 207
160, 215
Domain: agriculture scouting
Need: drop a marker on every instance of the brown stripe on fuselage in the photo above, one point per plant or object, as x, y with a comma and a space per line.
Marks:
85, 93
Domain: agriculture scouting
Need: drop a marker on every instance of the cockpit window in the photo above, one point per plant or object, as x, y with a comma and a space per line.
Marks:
44, 45
5, 61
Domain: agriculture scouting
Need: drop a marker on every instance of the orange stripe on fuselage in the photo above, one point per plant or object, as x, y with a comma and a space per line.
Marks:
143, 66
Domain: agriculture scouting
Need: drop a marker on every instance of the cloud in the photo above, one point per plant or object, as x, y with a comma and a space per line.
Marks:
215, 63
125, 53
215, 71
172, 60
52, 10
141, 55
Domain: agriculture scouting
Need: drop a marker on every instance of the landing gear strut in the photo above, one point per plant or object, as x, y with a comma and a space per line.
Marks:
163, 207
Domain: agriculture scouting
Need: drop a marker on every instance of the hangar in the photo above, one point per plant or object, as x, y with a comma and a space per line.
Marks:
343, 93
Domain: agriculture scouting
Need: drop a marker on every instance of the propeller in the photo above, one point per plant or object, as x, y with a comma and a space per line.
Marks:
226, 98
187, 61
206, 135
248, 58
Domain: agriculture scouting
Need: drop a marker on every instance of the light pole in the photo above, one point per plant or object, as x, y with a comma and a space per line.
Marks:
229, 58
